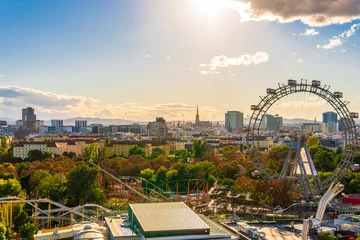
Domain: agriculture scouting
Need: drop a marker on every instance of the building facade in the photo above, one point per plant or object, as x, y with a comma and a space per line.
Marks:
28, 118
57, 123
234, 121
272, 122
80, 123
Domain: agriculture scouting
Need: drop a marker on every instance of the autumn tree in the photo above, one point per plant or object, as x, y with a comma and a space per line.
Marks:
313, 141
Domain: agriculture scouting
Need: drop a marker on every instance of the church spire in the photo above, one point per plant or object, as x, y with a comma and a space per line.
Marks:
197, 119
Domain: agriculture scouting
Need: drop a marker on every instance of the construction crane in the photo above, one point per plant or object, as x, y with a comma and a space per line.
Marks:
312, 225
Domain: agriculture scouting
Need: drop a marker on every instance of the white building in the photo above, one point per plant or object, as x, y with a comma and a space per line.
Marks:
21, 150
57, 123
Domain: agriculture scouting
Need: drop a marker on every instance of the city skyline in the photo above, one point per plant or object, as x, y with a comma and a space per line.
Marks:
140, 60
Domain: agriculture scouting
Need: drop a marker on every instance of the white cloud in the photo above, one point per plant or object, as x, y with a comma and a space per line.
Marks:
167, 57
310, 32
223, 61
49, 105
339, 39
300, 60
294, 34
294, 53
202, 65
203, 72
343, 50
147, 56
1, 75
354, 45
310, 12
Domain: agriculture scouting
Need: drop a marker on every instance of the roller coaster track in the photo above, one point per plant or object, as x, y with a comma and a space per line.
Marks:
61, 207
121, 182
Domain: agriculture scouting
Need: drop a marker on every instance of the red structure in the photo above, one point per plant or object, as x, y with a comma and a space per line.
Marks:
352, 198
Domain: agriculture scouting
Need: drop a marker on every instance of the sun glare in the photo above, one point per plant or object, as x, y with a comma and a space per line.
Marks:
210, 8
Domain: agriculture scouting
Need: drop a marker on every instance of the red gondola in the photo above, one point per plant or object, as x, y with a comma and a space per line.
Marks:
315, 83
338, 94
254, 107
355, 167
291, 82
354, 115
270, 91
255, 173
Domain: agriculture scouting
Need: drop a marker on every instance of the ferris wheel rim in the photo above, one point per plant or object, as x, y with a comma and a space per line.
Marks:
337, 104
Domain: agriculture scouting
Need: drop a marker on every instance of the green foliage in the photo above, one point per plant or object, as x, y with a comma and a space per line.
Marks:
241, 147
171, 175
156, 152
326, 236
182, 155
161, 175
27, 231
91, 153
20, 220
136, 150
48, 186
199, 148
324, 160
49, 154
9, 187
34, 155
82, 185
2, 232
313, 141
226, 150
69, 154
148, 174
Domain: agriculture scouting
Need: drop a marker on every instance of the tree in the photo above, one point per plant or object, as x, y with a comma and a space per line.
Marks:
326, 236
241, 147
91, 153
9, 187
161, 175
27, 231
82, 185
156, 152
313, 141
34, 155
148, 174
49, 154
324, 160
136, 150
2, 232
20, 220
199, 148
225, 151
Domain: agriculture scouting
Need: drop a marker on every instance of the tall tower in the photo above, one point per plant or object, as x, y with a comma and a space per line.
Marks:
197, 120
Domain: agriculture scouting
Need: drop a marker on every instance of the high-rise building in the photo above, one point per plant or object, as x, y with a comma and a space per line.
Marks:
80, 123
272, 122
28, 118
197, 118
329, 121
158, 127
57, 123
234, 121
329, 117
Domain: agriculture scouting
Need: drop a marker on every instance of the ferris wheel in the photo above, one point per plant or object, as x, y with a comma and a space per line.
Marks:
313, 87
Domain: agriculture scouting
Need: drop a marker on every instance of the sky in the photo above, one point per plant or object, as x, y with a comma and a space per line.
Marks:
138, 59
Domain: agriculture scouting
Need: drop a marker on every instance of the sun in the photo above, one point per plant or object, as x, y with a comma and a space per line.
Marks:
210, 8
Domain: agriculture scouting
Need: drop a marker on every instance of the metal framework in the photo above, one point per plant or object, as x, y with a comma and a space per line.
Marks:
338, 105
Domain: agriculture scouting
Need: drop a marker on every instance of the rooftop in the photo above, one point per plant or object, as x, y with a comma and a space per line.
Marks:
175, 218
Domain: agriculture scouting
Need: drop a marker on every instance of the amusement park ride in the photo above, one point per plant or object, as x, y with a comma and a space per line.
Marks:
303, 165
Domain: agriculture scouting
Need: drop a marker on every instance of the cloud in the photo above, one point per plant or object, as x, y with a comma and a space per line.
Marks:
300, 60
343, 50
310, 32
49, 105
294, 53
167, 57
310, 12
294, 34
339, 39
203, 72
147, 56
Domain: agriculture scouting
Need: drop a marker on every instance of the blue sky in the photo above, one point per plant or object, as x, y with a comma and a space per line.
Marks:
137, 59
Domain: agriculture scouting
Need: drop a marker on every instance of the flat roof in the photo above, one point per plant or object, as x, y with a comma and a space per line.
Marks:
115, 228
168, 217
